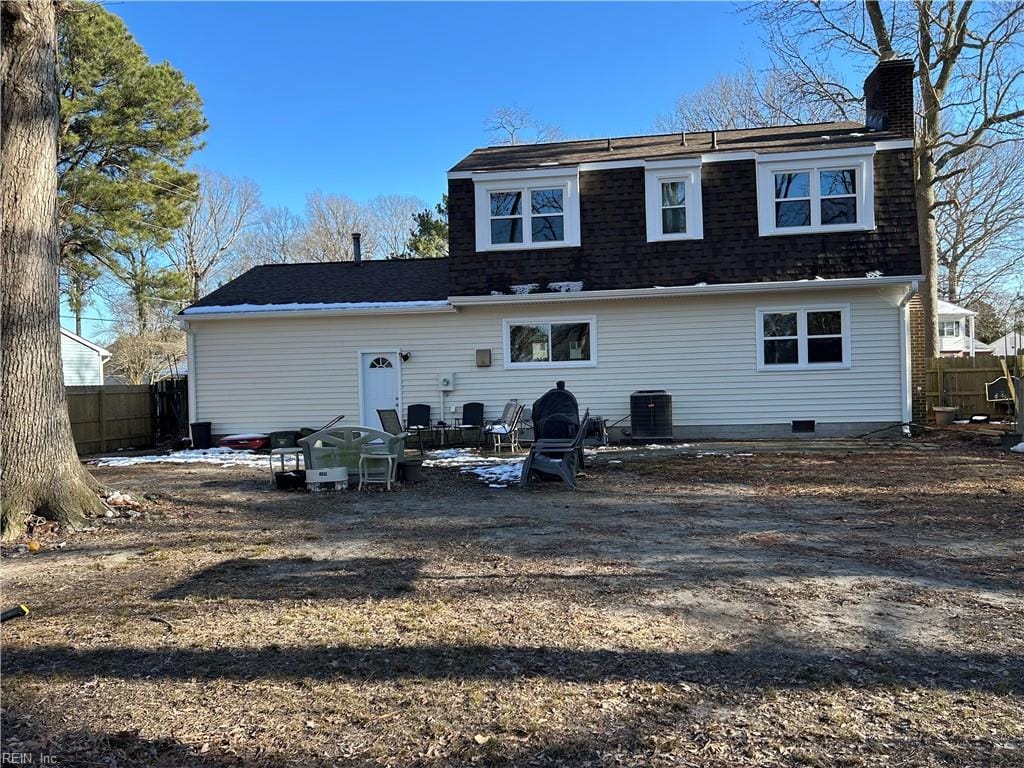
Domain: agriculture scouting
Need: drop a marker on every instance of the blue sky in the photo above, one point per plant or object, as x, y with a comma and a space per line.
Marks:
363, 99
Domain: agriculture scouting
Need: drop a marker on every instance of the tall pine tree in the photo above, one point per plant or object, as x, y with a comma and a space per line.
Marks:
126, 128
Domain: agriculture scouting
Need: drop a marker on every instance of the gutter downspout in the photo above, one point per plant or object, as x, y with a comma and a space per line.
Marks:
970, 321
190, 355
905, 371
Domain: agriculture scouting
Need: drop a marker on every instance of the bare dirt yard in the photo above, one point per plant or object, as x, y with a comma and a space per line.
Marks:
835, 607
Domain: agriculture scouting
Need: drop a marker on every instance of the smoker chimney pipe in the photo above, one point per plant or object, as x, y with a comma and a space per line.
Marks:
714, 139
357, 248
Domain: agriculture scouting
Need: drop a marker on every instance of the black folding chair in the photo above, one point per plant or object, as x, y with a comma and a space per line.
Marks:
389, 421
418, 421
473, 418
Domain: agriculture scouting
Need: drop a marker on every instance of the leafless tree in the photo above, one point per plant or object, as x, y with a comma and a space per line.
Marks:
979, 233
969, 75
394, 217
142, 357
276, 237
330, 222
749, 99
513, 125
40, 470
223, 211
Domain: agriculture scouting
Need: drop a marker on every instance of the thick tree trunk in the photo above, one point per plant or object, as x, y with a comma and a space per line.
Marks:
952, 284
925, 194
41, 473
931, 123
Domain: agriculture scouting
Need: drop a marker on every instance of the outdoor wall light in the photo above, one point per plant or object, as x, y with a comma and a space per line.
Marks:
405, 356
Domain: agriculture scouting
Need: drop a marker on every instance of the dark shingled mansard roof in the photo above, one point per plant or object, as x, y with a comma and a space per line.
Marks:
335, 282
789, 138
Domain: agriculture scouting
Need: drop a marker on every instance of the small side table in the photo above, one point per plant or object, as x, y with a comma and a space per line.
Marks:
368, 473
282, 452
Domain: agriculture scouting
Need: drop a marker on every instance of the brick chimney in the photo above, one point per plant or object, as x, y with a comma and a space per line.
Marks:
889, 97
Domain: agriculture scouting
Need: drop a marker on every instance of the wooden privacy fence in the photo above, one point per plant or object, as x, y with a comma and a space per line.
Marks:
110, 417
960, 382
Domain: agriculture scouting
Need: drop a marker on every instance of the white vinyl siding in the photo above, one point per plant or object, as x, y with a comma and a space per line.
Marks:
82, 366
282, 373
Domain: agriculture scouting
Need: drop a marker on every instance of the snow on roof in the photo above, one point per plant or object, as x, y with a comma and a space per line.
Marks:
341, 305
945, 308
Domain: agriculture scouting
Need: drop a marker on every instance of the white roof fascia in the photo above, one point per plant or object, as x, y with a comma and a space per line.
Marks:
311, 310
85, 342
685, 290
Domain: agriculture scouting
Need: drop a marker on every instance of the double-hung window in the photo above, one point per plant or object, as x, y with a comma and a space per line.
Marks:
811, 337
815, 192
674, 209
556, 343
949, 328
514, 212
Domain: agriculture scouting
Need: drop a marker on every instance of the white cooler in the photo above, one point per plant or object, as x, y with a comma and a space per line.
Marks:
330, 479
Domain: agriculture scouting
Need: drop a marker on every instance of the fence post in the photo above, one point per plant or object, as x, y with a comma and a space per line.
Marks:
101, 409
940, 397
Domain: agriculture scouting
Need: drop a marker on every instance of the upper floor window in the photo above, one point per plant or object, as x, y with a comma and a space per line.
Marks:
815, 192
674, 209
811, 337
949, 328
515, 211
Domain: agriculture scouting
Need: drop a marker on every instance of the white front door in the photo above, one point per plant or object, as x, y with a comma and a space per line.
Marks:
380, 386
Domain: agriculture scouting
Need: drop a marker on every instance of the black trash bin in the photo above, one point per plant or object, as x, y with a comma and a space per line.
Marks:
202, 434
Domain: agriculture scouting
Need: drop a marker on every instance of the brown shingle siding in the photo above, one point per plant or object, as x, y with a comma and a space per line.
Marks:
615, 252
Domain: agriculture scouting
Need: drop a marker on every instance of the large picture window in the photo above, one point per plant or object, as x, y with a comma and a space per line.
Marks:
815, 192
811, 337
550, 343
518, 212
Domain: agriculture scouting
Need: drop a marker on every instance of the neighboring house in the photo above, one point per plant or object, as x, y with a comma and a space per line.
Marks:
83, 361
763, 277
956, 332
1009, 345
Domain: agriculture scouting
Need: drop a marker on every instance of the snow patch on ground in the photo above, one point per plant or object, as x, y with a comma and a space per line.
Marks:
621, 448
496, 471
224, 457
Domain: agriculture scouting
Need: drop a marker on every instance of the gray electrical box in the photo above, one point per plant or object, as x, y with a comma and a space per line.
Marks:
483, 358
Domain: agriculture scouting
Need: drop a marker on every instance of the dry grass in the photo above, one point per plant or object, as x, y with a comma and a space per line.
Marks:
818, 609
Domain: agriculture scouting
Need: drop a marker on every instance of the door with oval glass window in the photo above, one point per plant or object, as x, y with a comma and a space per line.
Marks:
380, 386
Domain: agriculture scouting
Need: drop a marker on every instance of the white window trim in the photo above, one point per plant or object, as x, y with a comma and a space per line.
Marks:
569, 183
591, 363
655, 175
801, 329
959, 324
862, 163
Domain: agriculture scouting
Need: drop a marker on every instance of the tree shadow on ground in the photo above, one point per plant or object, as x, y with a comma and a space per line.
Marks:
765, 666
296, 577
661, 732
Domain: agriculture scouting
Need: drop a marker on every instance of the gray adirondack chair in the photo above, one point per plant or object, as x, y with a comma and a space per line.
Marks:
556, 458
